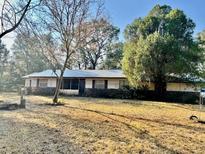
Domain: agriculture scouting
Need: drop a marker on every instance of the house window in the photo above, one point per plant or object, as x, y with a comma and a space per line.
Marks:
43, 83
99, 84
70, 84
74, 84
66, 84
123, 83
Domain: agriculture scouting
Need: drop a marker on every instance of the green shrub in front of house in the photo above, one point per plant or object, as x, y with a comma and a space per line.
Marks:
170, 96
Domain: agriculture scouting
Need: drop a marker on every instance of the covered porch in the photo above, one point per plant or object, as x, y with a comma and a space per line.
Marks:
72, 86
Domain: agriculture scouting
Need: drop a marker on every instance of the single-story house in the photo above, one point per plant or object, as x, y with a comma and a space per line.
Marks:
76, 82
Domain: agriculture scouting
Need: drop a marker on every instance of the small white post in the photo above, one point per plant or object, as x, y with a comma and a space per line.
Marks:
201, 99
200, 102
22, 101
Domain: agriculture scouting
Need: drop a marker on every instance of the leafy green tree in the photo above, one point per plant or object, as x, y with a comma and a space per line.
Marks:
159, 45
27, 55
4, 56
114, 56
26, 58
201, 38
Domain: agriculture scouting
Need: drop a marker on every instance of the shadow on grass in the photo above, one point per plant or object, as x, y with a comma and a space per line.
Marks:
142, 134
9, 107
53, 104
142, 119
38, 138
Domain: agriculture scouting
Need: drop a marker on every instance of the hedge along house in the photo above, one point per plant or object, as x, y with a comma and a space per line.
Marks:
79, 82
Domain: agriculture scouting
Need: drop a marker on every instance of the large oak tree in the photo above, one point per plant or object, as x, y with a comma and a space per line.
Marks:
159, 45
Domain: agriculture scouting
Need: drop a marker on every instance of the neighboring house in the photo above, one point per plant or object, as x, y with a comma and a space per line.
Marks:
76, 82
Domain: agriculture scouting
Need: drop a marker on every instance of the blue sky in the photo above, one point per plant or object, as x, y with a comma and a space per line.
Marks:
123, 12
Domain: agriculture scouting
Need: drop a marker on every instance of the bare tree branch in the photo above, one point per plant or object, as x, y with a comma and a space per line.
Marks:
11, 17
63, 21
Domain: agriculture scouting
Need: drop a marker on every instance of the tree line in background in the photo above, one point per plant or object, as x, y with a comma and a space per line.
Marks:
77, 34
73, 34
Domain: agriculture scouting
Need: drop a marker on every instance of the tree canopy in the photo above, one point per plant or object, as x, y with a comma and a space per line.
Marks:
114, 56
4, 56
99, 35
159, 45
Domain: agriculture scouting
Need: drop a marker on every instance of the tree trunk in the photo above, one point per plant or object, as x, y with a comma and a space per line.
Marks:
160, 88
59, 82
57, 91
93, 66
79, 66
1, 76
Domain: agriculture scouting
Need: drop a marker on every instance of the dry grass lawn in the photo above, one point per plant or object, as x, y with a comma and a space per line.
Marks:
86, 125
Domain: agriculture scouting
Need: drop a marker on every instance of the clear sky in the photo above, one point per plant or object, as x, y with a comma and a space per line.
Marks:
123, 12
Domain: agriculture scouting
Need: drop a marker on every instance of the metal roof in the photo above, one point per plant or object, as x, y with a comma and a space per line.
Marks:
79, 74
103, 74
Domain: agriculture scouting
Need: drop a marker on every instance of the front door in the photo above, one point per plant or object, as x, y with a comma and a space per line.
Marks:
81, 87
